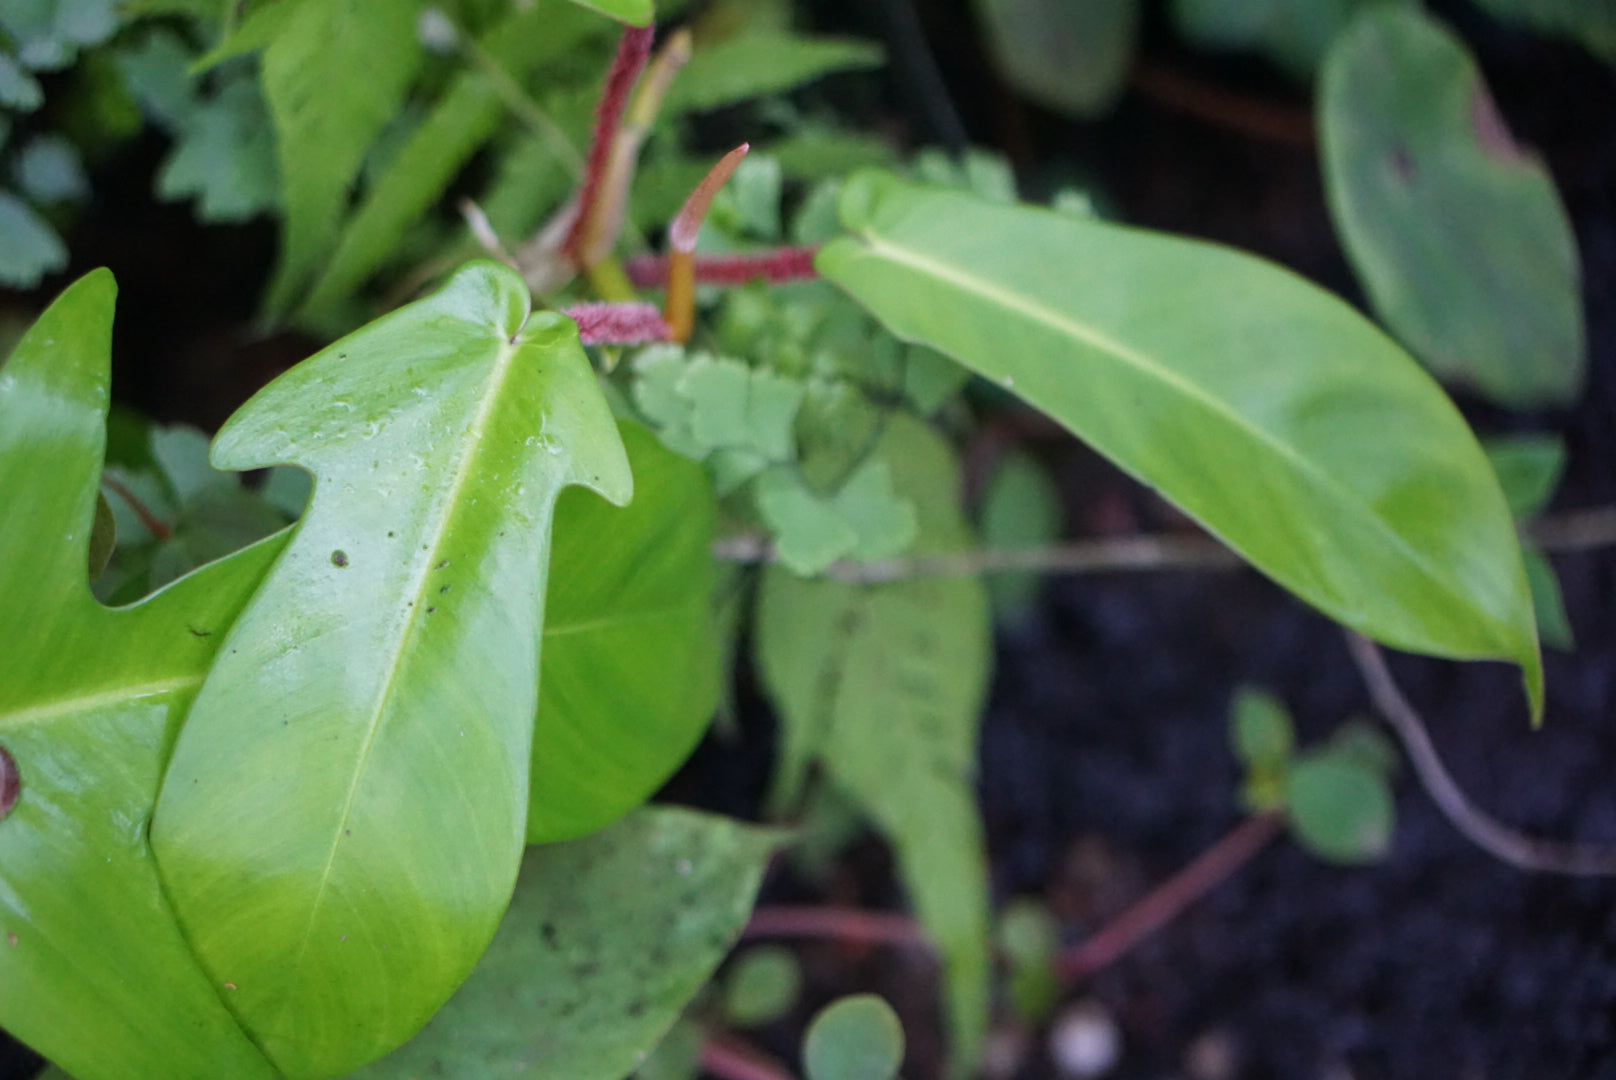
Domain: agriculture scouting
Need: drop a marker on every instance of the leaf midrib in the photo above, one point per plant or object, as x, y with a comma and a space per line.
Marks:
420, 571
951, 275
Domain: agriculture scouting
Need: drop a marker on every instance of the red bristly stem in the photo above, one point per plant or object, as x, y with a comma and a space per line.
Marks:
153, 523
618, 324
776, 266
838, 924
1169, 899
729, 1058
633, 48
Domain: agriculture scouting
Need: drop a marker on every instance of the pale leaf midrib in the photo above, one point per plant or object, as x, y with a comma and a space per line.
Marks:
441, 514
950, 275
51, 710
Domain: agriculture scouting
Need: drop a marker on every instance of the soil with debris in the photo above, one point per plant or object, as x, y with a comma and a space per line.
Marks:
1105, 765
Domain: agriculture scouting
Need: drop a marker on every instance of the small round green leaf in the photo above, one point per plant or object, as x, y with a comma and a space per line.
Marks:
1340, 808
1261, 727
855, 1038
763, 985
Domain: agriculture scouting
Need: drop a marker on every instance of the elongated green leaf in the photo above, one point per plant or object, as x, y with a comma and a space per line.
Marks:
334, 74
884, 685
606, 940
763, 62
344, 813
1266, 408
94, 971
630, 675
1456, 232
463, 120
1074, 57
633, 12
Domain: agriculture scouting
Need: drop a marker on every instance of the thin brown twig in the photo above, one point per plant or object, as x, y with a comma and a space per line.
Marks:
1221, 107
154, 524
1581, 530
1497, 839
1169, 899
840, 924
729, 1058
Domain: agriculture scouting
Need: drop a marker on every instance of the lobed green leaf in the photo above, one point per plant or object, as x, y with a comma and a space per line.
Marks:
90, 700
345, 808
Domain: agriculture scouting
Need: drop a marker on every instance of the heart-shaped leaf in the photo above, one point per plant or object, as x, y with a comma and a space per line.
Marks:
94, 971
1263, 406
1456, 232
345, 810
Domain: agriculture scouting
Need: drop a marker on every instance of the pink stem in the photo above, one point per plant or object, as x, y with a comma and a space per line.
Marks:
776, 267
729, 1058
633, 48
840, 924
1169, 899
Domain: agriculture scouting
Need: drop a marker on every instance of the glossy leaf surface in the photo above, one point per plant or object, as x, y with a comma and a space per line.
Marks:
89, 701
1264, 407
630, 675
606, 940
884, 685
633, 12
1456, 232
345, 809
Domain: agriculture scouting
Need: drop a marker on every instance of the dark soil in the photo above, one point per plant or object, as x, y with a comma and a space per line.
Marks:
1105, 765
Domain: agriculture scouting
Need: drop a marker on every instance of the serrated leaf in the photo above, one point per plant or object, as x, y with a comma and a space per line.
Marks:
884, 522
48, 34
1262, 406
716, 389
158, 76
606, 939
18, 89
48, 170
345, 809
630, 676
334, 74
225, 157
1528, 468
1455, 231
89, 701
762, 62
1073, 57
808, 534
884, 685
32, 247
633, 12
1340, 809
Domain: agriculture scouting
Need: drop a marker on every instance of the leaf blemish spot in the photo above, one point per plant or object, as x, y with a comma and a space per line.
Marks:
10, 783
339, 558
199, 633
1402, 164
11, 938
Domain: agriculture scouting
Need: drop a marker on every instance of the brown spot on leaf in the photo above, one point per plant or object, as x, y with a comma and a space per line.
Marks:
10, 783
339, 558
11, 938
1491, 131
1402, 164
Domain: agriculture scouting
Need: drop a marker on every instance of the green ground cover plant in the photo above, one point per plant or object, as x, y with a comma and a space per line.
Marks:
345, 771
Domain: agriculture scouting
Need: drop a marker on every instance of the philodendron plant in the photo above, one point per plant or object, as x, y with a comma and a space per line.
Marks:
364, 798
